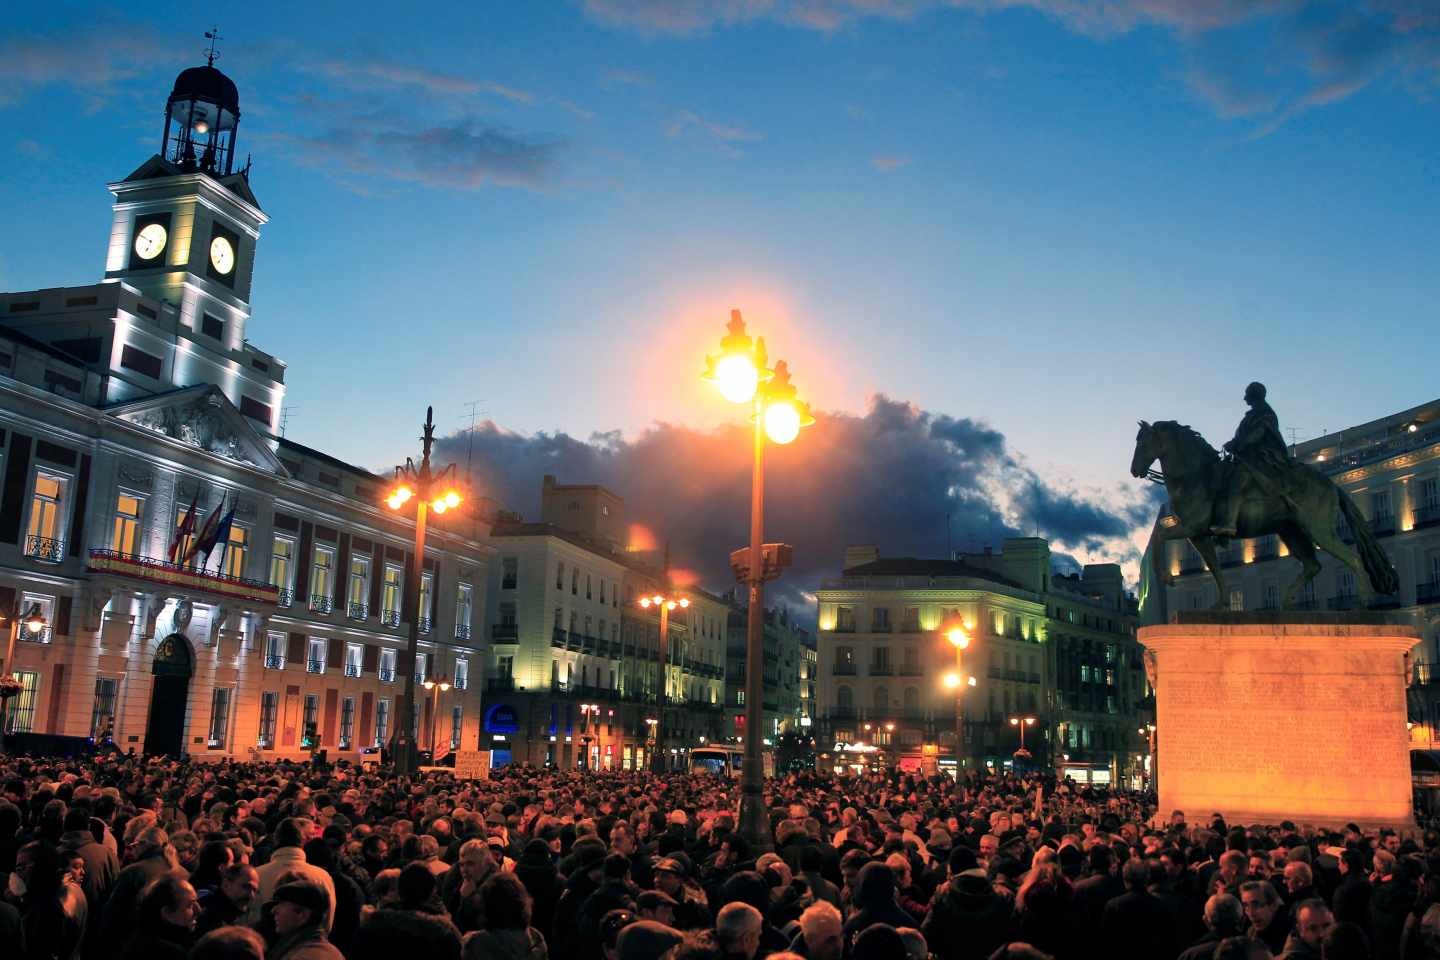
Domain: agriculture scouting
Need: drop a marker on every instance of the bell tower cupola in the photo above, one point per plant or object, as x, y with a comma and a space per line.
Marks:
201, 118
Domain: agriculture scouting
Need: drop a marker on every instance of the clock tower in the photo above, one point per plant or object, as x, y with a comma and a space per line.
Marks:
184, 232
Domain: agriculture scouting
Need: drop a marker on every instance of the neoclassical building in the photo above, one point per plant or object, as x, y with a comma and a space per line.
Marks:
136, 418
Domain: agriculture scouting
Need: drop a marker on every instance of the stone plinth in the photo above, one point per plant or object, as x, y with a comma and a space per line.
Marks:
1283, 720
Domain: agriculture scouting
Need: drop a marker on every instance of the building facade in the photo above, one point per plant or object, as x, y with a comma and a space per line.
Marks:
1055, 655
575, 674
1390, 467
137, 419
783, 703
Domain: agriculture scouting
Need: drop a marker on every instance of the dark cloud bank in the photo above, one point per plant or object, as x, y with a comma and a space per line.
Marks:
888, 477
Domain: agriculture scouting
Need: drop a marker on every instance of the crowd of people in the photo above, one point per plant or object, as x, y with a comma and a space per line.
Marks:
139, 858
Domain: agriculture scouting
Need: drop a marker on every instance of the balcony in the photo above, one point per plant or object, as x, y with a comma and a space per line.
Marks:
1425, 515
1428, 592
557, 639
1032, 678
1265, 551
44, 549
505, 633
1343, 601
358, 611
352, 669
314, 666
425, 624
844, 627
1383, 525
881, 670
387, 674
462, 632
135, 567
274, 661
285, 598
459, 683
321, 604
844, 670
390, 618
911, 670
500, 684
842, 713
880, 627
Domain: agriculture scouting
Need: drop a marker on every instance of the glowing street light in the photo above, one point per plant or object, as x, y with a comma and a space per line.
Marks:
664, 604
742, 374
430, 491
1022, 723
437, 686
33, 620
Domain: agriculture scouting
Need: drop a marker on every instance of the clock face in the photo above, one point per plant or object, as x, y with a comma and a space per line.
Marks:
222, 255
150, 241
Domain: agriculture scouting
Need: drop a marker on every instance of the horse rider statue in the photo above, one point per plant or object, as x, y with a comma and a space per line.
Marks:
1259, 457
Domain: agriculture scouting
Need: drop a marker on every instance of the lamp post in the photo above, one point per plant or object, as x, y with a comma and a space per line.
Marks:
742, 376
1149, 730
429, 491
590, 712
664, 603
436, 686
1022, 723
652, 723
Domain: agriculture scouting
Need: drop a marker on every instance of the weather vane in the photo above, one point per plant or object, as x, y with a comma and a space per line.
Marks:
211, 55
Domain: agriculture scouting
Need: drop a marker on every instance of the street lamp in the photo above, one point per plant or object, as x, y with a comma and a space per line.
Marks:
1022, 723
664, 603
33, 620
437, 686
741, 374
430, 491
958, 681
1149, 730
590, 718
652, 723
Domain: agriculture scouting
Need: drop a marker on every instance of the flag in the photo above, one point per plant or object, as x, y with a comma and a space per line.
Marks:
205, 542
222, 532
187, 526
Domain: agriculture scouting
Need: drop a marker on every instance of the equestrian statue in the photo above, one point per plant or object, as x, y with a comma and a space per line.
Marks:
1255, 490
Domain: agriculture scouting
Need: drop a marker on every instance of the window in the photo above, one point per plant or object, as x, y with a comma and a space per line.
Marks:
382, 722
102, 714
1380, 508
880, 664
882, 700
602, 593
880, 619
462, 673
275, 651
1272, 597
125, 534
574, 581
1237, 599
358, 596
999, 623
912, 662
740, 698
316, 661
1430, 493
212, 326
587, 587
387, 666
282, 560
1084, 673
322, 574
464, 601
390, 594
420, 664
504, 667
268, 704
457, 721
236, 550
311, 729
510, 575
219, 717
46, 608
427, 589
45, 540
141, 362
560, 577
354, 659
347, 723
844, 619
911, 620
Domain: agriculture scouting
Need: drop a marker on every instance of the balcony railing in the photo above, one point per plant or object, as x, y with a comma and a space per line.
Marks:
284, 598
557, 639
1383, 526
387, 675
359, 611
911, 670
844, 669
44, 548
1343, 601
425, 624
842, 713
459, 683
138, 567
352, 669
1428, 592
274, 661
881, 670
844, 628
321, 603
390, 618
1425, 515
500, 684
504, 633
314, 666
462, 631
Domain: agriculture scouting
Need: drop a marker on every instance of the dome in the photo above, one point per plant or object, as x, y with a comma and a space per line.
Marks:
208, 84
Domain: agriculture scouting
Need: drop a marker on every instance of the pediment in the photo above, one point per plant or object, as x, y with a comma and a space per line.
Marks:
204, 418
157, 167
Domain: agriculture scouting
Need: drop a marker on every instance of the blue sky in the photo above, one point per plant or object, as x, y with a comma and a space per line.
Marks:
1050, 216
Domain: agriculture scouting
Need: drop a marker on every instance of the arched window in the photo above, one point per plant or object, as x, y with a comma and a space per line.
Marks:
882, 700
844, 699
912, 701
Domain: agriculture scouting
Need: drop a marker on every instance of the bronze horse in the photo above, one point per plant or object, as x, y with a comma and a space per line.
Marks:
1304, 512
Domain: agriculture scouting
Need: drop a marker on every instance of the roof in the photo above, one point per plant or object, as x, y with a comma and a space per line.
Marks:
521, 528
10, 333
924, 567
305, 451
207, 83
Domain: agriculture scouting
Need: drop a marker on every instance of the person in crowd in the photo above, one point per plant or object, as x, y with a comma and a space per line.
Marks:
1224, 920
229, 943
1265, 910
287, 860
298, 910
165, 925
1313, 922
968, 918
230, 900
148, 857
1137, 923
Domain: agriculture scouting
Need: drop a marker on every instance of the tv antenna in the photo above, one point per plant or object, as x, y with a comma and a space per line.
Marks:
474, 411
285, 413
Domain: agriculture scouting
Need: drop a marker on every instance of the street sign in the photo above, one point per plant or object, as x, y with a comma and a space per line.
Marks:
775, 557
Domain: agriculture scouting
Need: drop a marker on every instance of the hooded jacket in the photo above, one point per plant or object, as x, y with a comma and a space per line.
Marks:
968, 920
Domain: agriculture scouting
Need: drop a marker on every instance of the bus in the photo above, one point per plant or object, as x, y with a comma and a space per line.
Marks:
724, 760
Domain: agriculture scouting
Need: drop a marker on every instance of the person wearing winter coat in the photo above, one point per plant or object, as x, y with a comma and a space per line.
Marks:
298, 911
508, 934
967, 919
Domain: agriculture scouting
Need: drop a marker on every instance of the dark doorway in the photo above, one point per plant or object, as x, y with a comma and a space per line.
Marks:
165, 731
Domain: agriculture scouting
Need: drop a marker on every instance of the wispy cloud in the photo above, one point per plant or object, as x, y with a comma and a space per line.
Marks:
373, 72
618, 78
680, 17
724, 136
889, 163
92, 63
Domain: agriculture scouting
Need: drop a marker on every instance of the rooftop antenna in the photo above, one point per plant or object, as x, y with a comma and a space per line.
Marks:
470, 450
211, 55
285, 418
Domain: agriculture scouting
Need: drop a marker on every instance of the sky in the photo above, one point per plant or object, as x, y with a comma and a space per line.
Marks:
1037, 219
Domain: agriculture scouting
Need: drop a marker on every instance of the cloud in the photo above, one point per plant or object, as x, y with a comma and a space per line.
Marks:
681, 17
90, 62
618, 78
889, 477
888, 163
720, 135
386, 73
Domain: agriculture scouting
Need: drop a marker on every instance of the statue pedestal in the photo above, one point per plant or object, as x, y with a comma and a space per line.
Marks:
1290, 716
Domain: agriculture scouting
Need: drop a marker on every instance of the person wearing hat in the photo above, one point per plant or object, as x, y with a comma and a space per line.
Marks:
536, 869
692, 907
298, 911
646, 940
610, 926
656, 905
615, 892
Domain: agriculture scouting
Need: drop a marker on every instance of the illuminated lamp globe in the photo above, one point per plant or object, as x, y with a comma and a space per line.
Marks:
737, 378
958, 637
684, 602
452, 499
645, 603
782, 422
35, 624
202, 127
952, 680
